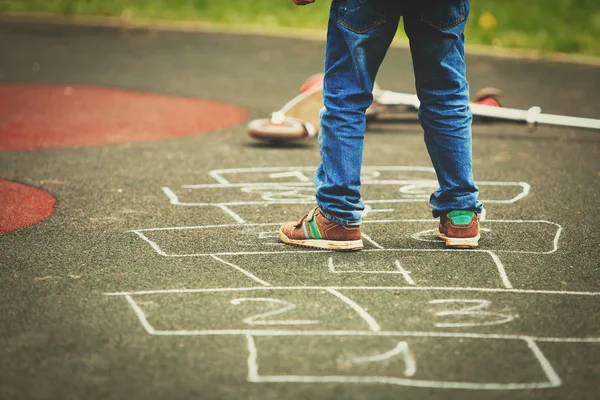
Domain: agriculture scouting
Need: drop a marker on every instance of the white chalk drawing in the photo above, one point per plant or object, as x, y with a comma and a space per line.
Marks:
260, 319
475, 310
529, 243
397, 270
243, 271
551, 377
455, 313
373, 325
409, 191
402, 348
293, 185
478, 313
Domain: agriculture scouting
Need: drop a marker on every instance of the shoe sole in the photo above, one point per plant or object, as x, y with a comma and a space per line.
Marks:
460, 243
337, 245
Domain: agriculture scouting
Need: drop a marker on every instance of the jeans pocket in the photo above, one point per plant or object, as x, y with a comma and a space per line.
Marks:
361, 16
443, 14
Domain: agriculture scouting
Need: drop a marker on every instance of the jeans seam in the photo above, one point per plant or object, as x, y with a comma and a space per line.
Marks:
450, 24
376, 25
337, 220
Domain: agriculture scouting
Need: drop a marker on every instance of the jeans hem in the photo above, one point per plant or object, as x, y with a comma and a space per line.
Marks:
439, 213
337, 220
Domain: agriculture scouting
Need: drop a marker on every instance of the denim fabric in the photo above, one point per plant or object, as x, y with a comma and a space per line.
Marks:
359, 35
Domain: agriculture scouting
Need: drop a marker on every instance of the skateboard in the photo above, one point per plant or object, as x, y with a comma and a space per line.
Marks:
299, 118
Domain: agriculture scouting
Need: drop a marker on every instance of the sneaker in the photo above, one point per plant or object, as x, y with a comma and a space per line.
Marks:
315, 231
460, 229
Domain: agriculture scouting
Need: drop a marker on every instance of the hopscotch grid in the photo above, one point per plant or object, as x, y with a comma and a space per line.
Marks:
401, 382
434, 334
306, 251
389, 288
524, 185
332, 269
312, 201
216, 173
380, 221
374, 328
157, 248
259, 332
548, 370
223, 183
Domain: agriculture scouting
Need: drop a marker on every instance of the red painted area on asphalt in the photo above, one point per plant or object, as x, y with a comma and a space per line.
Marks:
36, 117
22, 205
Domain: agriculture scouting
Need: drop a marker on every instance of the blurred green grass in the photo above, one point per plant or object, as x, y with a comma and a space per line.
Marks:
569, 26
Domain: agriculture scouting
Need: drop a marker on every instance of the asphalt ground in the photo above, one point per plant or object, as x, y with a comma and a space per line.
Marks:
98, 302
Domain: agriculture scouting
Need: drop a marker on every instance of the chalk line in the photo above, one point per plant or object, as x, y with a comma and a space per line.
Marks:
402, 348
332, 269
405, 273
472, 310
501, 270
243, 271
316, 333
257, 319
252, 361
231, 213
402, 382
380, 248
373, 325
546, 366
173, 198
152, 244
141, 315
216, 173
374, 243
424, 288
253, 375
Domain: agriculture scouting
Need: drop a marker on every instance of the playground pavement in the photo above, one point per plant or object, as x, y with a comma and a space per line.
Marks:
158, 275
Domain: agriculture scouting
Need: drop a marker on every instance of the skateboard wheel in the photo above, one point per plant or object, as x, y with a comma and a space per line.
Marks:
489, 96
288, 129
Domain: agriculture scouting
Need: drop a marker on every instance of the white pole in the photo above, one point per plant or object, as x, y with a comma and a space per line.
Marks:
531, 116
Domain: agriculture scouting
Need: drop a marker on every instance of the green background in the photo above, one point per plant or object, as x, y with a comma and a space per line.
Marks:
571, 26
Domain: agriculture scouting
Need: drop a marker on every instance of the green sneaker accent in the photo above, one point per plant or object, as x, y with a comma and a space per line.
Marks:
460, 217
314, 229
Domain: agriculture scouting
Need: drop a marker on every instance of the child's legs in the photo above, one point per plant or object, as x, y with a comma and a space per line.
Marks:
358, 37
437, 45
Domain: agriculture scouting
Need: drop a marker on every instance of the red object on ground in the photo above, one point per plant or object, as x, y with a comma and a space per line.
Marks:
22, 205
313, 81
36, 117
489, 101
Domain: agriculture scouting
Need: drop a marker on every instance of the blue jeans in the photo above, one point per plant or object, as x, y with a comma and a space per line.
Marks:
359, 35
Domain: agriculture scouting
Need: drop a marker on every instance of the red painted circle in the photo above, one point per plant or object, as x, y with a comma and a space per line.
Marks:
51, 116
22, 205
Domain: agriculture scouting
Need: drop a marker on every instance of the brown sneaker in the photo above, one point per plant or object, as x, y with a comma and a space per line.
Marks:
460, 229
316, 231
